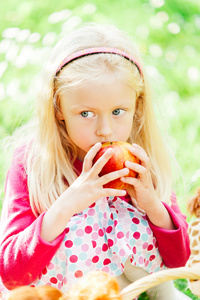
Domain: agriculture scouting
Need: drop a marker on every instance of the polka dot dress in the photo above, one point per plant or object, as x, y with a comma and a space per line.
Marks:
102, 237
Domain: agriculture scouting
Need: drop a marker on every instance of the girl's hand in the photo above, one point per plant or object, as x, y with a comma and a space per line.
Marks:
142, 190
89, 185
84, 191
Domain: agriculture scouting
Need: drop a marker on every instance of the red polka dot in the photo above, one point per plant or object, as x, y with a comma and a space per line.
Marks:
106, 261
68, 244
135, 220
78, 274
110, 243
73, 258
95, 259
134, 250
152, 257
105, 247
67, 230
136, 235
101, 233
150, 247
120, 235
115, 222
88, 229
111, 216
94, 244
44, 271
130, 209
109, 229
53, 280
92, 205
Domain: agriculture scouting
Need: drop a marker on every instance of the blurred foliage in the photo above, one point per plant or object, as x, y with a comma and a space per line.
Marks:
168, 33
168, 36
182, 285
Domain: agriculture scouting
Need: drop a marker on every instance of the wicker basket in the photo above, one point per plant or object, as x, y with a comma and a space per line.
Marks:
136, 288
101, 286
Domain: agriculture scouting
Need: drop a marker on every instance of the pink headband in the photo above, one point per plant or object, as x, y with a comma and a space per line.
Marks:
98, 50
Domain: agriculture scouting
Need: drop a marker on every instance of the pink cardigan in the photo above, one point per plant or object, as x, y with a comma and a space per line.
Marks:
23, 252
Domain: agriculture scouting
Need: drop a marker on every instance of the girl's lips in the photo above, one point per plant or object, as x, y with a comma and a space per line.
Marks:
105, 142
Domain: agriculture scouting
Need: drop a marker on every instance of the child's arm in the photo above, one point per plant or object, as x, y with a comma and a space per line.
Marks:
27, 243
23, 252
173, 245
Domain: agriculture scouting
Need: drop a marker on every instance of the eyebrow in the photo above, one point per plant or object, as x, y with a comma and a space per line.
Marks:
121, 104
81, 106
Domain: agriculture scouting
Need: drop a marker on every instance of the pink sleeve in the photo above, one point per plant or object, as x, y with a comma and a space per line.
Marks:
173, 244
23, 253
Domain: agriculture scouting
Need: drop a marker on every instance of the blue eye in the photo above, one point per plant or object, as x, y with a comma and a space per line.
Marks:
118, 112
87, 114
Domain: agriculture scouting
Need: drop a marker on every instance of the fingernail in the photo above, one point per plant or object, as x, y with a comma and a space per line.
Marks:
98, 144
123, 192
127, 164
109, 151
134, 145
126, 171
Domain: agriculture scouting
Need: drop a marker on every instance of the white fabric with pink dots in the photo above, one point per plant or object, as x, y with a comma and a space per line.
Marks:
102, 237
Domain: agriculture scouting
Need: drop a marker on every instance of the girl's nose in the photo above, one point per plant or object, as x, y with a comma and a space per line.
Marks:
104, 127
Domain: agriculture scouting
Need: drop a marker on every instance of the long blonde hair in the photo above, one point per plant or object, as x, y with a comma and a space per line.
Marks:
51, 153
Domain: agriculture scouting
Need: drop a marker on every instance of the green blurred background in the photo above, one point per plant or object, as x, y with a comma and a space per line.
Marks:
168, 34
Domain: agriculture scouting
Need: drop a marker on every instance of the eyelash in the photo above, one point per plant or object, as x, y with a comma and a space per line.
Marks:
118, 109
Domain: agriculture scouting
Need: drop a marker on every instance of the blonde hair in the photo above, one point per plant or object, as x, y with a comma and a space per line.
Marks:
50, 156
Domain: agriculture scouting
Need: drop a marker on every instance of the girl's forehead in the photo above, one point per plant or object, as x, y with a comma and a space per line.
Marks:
100, 93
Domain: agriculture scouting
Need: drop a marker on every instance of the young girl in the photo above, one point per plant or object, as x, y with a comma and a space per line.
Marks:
58, 222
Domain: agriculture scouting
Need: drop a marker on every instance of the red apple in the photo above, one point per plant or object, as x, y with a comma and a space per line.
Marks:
117, 162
